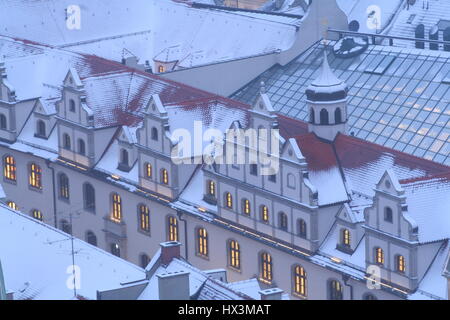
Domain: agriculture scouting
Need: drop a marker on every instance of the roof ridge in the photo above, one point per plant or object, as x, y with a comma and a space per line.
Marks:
426, 178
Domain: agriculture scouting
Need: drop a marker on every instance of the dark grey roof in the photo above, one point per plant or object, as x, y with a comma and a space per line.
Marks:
399, 98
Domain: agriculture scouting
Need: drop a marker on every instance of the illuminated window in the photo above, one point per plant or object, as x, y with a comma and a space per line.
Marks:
89, 197
9, 168
144, 218
335, 290
164, 176
345, 237
116, 207
300, 281
266, 267
12, 205
283, 221
35, 177
228, 200
400, 263
148, 170
172, 229
264, 214
301, 228
66, 141
115, 249
234, 254
211, 188
246, 206
91, 238
37, 215
63, 186
379, 256
202, 242
161, 69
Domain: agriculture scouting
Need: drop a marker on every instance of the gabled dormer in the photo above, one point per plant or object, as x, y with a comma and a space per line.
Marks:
126, 151
263, 115
348, 231
7, 91
42, 119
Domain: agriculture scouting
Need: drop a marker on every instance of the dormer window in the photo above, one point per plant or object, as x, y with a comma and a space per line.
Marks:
345, 237
124, 157
40, 128
3, 122
154, 134
400, 265
211, 188
161, 69
66, 141
388, 214
148, 170
164, 176
379, 256
71, 105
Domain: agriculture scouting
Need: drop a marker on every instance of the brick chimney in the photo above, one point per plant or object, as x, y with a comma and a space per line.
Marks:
169, 251
271, 294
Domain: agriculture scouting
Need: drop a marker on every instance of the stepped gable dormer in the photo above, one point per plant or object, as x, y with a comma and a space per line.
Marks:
327, 102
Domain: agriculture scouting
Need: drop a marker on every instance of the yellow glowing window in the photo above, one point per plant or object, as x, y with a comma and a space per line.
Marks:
212, 188
12, 205
9, 168
401, 266
161, 69
346, 237
202, 241
144, 218
229, 200
246, 205
63, 186
35, 178
234, 254
266, 267
37, 215
164, 176
300, 281
116, 207
379, 256
173, 229
264, 214
148, 170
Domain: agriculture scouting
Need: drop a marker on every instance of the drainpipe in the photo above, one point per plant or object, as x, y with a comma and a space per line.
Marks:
345, 278
48, 162
180, 215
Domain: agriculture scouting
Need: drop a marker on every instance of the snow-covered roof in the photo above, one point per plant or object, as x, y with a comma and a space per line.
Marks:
36, 259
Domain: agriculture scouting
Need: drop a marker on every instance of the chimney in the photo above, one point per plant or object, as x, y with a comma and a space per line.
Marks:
271, 294
173, 285
169, 251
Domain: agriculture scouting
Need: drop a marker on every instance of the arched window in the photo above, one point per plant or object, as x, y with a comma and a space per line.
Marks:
400, 265
211, 188
311, 116
35, 176
89, 197
172, 231
301, 228
71, 105
148, 170
144, 218
81, 147
228, 200
115, 249
164, 176
9, 168
66, 141
202, 242
12, 205
40, 128
63, 186
324, 116
116, 207
300, 281
283, 221
246, 209
91, 238
266, 274
234, 254
124, 157
144, 260
154, 134
379, 256
345, 237
264, 214
337, 115
3, 122
388, 214
66, 227
37, 214
335, 290
369, 296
